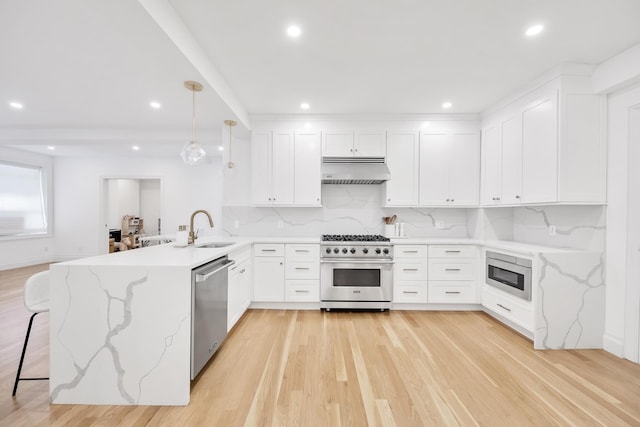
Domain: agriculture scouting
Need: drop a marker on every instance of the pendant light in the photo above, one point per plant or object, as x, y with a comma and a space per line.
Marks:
192, 153
230, 123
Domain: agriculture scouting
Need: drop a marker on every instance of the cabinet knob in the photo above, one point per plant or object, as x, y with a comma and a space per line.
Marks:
280, 263
351, 149
388, 200
517, 197
318, 199
447, 200
452, 200
356, 150
269, 198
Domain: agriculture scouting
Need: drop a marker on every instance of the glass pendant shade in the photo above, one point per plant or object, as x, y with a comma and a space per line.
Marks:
192, 153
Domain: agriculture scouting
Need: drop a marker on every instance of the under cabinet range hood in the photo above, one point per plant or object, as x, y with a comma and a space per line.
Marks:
352, 170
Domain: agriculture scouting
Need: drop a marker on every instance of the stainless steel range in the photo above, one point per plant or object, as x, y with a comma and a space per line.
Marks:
356, 271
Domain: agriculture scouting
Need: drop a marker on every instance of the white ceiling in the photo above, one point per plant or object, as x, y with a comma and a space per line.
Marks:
88, 68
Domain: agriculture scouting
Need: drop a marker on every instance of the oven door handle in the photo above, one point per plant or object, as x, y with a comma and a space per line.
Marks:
357, 261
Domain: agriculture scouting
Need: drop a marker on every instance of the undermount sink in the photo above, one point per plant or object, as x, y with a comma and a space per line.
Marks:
214, 245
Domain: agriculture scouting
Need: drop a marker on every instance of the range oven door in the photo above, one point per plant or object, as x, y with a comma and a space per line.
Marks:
356, 280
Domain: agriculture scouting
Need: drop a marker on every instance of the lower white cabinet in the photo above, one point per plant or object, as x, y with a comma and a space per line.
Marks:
453, 274
268, 273
239, 288
452, 292
302, 273
512, 308
410, 274
410, 292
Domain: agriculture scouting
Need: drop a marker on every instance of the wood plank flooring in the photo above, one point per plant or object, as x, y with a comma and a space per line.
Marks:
309, 368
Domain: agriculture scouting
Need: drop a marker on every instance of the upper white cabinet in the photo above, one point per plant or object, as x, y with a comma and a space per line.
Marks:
502, 160
307, 162
286, 168
353, 144
449, 168
547, 146
403, 162
272, 168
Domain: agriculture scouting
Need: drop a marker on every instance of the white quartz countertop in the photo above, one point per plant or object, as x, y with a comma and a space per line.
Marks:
526, 248
434, 241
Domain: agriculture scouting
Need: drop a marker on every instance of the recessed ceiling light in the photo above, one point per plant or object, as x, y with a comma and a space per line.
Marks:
135, 148
534, 30
155, 105
307, 125
294, 31
221, 148
304, 106
446, 105
51, 147
16, 105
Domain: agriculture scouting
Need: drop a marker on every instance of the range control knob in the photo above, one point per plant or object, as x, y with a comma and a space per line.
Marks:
328, 250
378, 251
344, 250
365, 251
335, 250
385, 251
353, 251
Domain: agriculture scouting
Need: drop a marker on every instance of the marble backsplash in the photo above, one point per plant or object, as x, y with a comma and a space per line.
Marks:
347, 209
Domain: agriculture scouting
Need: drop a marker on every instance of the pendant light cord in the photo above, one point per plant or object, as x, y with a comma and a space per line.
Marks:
229, 143
193, 118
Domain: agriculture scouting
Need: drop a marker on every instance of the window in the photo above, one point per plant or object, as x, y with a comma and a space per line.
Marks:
22, 200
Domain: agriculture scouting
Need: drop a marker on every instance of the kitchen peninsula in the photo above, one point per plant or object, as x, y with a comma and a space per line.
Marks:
120, 326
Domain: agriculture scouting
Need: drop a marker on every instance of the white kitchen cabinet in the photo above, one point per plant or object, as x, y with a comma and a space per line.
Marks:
353, 144
502, 162
452, 271
239, 288
302, 273
449, 169
403, 162
307, 162
272, 168
547, 146
268, 283
410, 274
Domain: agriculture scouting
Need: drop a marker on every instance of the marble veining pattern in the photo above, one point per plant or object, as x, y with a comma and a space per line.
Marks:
570, 309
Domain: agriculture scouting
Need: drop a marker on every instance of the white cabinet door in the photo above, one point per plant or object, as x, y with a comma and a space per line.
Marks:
244, 286
434, 169
539, 151
282, 169
491, 165
233, 305
261, 168
511, 162
403, 162
370, 144
307, 161
337, 144
268, 284
464, 161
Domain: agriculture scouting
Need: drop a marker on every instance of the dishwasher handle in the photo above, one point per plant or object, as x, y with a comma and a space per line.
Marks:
204, 277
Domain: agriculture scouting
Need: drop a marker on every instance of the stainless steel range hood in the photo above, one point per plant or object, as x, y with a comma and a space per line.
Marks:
350, 170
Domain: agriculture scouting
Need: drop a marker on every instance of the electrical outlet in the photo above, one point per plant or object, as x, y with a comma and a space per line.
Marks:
440, 225
280, 223
552, 230
236, 224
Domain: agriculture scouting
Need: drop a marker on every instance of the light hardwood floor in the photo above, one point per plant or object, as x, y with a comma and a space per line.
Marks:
308, 368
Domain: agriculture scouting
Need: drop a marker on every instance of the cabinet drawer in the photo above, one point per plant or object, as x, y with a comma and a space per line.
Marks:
303, 251
268, 249
452, 292
452, 251
520, 313
302, 269
403, 292
410, 251
452, 269
405, 270
302, 290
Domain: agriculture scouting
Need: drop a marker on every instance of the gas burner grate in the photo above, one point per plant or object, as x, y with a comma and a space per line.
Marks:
354, 238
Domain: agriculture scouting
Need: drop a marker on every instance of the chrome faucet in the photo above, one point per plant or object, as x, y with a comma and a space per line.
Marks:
192, 235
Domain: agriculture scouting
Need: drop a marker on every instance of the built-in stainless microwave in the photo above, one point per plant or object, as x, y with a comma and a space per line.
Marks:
509, 273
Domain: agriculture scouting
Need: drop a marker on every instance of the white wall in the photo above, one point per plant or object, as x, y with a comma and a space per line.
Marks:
623, 264
18, 252
78, 184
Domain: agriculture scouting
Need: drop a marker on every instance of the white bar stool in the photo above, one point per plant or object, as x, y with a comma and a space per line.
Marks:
36, 300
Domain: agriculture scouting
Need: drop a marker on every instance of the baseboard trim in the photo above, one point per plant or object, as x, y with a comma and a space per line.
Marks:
613, 345
26, 263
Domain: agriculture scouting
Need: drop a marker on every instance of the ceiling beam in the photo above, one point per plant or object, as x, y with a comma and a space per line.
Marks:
168, 20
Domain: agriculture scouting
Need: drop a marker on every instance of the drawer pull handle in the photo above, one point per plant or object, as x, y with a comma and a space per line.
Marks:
409, 292
268, 250
410, 269
451, 292
409, 252
302, 268
502, 306
243, 270
452, 252
451, 269
301, 292
302, 250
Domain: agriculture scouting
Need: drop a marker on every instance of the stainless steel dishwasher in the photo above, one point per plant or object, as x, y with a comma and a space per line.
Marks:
208, 311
